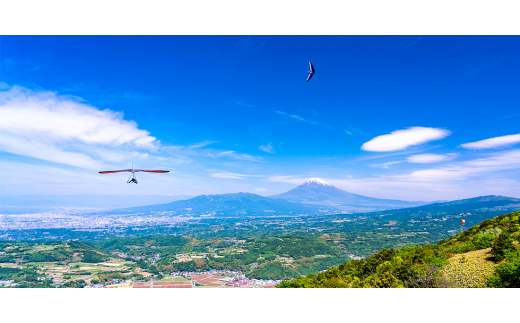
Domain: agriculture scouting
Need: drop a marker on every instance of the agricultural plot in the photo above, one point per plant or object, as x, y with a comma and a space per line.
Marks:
209, 280
163, 284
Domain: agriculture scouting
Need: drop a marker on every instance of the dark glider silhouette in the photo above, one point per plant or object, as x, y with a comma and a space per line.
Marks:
132, 178
311, 72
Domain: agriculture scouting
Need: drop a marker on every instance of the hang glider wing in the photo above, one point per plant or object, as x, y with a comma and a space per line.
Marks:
134, 170
311, 72
115, 171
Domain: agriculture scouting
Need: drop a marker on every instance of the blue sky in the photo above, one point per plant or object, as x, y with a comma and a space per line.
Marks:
400, 117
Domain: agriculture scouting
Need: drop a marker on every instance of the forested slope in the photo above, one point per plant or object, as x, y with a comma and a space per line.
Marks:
485, 255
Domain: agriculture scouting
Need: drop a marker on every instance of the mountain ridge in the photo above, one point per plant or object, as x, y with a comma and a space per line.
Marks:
318, 192
233, 204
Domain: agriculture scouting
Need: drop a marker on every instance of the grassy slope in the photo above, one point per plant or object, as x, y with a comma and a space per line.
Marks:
471, 269
459, 261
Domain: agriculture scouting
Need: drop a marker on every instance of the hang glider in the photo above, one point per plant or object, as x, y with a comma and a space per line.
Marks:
311, 72
134, 171
132, 178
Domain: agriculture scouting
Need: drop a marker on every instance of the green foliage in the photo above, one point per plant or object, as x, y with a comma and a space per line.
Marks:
40, 257
7, 259
507, 274
91, 256
484, 241
494, 231
8, 273
426, 266
273, 270
501, 245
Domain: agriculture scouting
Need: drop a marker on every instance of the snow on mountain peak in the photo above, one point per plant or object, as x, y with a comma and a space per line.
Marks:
316, 180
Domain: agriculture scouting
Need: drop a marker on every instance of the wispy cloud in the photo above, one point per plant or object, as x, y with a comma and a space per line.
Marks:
232, 154
291, 179
386, 165
297, 117
236, 102
248, 43
493, 142
413, 42
506, 160
244, 43
428, 158
402, 139
509, 116
261, 46
267, 148
408, 43
481, 67
353, 130
201, 144
228, 175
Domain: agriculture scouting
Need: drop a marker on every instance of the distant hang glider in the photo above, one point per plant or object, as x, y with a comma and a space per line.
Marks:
132, 178
311, 72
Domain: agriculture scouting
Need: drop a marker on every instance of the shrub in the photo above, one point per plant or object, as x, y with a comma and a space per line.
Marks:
484, 241
507, 274
501, 245
514, 228
494, 231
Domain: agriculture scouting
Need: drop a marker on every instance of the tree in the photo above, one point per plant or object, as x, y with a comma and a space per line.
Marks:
423, 281
507, 274
501, 245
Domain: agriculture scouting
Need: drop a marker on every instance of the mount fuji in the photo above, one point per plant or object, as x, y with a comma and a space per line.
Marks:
318, 192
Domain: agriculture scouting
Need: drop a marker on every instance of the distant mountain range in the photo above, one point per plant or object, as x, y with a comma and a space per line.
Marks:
314, 197
473, 207
234, 205
318, 192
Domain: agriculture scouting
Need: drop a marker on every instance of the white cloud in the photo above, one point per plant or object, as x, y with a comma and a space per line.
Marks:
61, 129
260, 190
493, 174
267, 148
229, 153
426, 158
297, 117
386, 165
58, 118
402, 139
201, 144
232, 175
291, 179
457, 171
493, 142
228, 175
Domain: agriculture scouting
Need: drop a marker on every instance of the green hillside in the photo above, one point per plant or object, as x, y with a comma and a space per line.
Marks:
485, 255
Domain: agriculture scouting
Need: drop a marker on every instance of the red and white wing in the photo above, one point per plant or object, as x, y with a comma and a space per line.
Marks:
151, 171
116, 171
